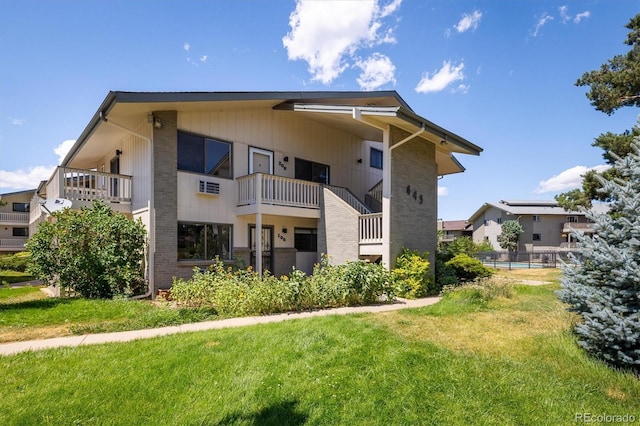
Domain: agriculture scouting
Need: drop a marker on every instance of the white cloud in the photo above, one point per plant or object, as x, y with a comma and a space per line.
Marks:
32, 176
377, 70
468, 22
580, 16
328, 35
24, 179
18, 121
568, 179
541, 22
440, 79
563, 13
186, 46
443, 191
63, 149
204, 58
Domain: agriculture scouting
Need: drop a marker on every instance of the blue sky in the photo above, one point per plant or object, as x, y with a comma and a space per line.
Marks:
499, 73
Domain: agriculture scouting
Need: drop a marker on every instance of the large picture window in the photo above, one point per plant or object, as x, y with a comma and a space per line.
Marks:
200, 154
311, 171
306, 239
204, 241
21, 207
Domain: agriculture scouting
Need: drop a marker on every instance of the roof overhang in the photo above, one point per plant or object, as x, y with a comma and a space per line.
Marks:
336, 109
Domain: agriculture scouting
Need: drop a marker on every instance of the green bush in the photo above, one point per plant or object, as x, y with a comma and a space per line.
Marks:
242, 292
14, 262
93, 251
411, 275
467, 268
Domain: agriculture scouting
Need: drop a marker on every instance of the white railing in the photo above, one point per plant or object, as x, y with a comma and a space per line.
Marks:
89, 185
14, 217
370, 228
376, 191
348, 197
278, 191
12, 243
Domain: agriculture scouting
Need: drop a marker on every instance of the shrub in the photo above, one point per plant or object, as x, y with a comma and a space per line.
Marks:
92, 251
480, 291
467, 268
242, 292
14, 262
411, 275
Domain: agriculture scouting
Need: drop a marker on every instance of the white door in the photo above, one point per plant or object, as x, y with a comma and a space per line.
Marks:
260, 161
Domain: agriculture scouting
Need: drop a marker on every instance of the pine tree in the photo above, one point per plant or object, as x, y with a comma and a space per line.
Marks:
602, 284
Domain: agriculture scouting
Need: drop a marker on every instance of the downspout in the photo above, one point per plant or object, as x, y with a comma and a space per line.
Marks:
151, 250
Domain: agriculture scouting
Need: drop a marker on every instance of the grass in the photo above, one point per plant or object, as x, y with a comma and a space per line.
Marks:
12, 277
26, 314
508, 361
540, 274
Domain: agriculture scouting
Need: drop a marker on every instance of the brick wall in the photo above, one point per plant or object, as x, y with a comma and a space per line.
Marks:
337, 229
165, 194
414, 197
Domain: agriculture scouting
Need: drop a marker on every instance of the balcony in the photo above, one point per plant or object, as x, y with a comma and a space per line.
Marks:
83, 187
278, 195
14, 218
370, 234
12, 244
586, 227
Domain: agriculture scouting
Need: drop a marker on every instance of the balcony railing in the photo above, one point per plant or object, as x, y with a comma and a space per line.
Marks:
9, 218
89, 185
370, 228
12, 244
278, 191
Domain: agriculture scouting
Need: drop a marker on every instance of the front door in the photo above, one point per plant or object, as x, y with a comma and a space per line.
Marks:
267, 247
260, 161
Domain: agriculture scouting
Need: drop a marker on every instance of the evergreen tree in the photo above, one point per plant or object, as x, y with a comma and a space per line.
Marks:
603, 283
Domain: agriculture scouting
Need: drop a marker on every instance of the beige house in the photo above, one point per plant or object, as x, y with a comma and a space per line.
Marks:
14, 220
547, 226
451, 229
350, 174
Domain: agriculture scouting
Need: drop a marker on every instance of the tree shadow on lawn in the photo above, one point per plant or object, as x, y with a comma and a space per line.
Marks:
47, 303
282, 413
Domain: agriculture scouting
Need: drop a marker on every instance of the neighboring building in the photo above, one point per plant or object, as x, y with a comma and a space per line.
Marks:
452, 229
547, 226
14, 220
204, 170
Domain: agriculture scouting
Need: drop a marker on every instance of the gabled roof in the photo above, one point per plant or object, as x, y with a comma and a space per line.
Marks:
516, 208
338, 109
457, 225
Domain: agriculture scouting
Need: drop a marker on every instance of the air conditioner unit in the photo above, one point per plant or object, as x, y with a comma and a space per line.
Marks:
211, 188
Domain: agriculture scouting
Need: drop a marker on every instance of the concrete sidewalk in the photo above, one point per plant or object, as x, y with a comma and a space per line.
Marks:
127, 336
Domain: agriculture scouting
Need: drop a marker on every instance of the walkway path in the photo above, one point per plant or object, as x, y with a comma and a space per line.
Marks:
126, 336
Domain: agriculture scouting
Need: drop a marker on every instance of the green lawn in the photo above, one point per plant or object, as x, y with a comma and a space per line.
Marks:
26, 313
12, 277
459, 362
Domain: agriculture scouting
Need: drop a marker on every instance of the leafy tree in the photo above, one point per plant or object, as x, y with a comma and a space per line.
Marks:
603, 283
617, 83
93, 251
510, 235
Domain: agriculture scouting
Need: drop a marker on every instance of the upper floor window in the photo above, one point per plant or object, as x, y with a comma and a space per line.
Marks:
572, 219
537, 237
375, 158
200, 154
536, 218
312, 171
21, 207
499, 221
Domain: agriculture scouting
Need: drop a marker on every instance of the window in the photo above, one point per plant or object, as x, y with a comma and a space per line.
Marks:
311, 171
20, 232
499, 221
204, 241
536, 218
21, 207
486, 222
537, 237
306, 239
200, 154
375, 158
572, 219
